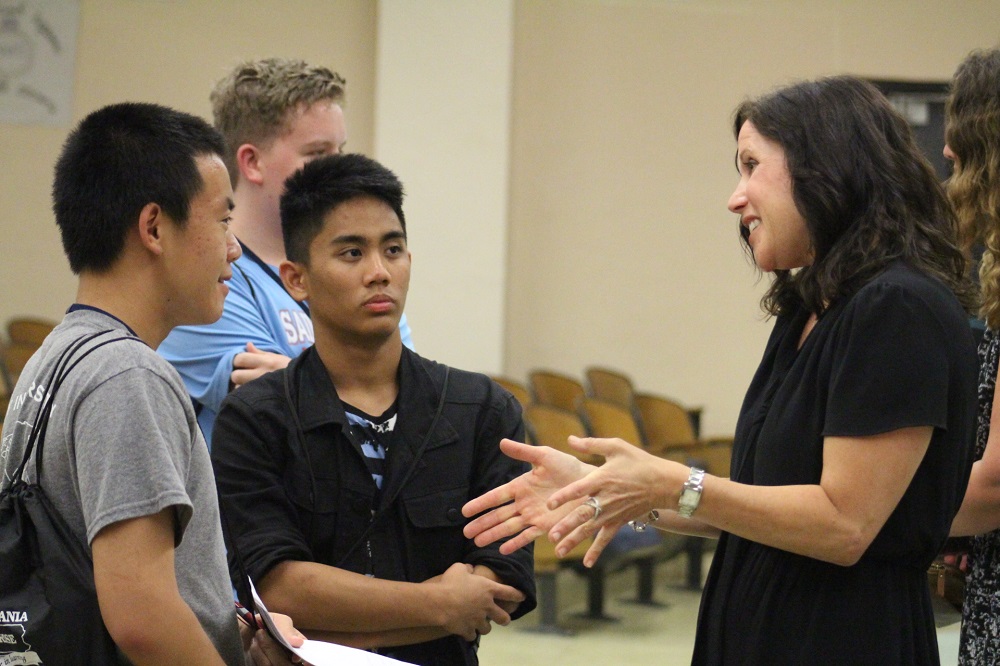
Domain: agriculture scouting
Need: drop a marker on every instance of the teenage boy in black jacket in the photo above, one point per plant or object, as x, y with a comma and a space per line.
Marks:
344, 474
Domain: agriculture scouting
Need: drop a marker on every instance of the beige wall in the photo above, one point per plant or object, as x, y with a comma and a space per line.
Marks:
622, 251
170, 53
442, 122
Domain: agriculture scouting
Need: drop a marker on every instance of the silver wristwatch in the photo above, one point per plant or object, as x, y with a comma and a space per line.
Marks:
691, 493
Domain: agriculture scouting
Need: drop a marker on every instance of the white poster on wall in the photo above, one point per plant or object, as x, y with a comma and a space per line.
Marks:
37, 54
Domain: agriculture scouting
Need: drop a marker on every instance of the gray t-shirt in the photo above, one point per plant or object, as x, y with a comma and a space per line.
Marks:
123, 442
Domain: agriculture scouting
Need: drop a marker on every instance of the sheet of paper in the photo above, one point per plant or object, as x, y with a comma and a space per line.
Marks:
321, 653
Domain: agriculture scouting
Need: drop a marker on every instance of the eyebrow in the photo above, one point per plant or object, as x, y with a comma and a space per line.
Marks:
321, 144
358, 239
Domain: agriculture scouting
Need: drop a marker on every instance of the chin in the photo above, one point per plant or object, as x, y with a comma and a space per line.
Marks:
211, 316
381, 334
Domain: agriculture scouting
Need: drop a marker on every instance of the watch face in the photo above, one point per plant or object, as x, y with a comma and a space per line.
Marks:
691, 493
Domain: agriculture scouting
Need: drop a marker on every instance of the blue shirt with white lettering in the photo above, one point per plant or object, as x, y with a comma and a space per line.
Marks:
257, 310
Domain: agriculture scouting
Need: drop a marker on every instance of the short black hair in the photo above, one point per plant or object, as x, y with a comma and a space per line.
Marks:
325, 183
119, 159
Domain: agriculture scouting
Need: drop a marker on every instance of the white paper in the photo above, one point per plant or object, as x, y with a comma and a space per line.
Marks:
321, 653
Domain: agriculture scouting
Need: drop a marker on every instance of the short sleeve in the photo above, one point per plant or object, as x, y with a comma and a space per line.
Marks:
891, 364
133, 446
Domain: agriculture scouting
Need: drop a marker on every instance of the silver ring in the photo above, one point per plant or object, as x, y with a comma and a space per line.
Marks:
595, 504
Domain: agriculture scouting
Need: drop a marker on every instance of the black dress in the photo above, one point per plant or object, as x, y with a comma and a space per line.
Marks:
897, 354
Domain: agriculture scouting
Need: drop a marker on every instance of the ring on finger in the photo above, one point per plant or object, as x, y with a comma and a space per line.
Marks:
595, 504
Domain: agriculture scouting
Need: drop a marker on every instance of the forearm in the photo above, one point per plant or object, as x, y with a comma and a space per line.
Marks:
800, 519
980, 511
324, 598
365, 640
835, 520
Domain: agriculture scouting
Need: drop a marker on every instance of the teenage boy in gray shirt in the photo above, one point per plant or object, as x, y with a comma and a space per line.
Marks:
142, 200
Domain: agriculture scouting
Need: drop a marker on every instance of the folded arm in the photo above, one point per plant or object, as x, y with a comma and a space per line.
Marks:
371, 612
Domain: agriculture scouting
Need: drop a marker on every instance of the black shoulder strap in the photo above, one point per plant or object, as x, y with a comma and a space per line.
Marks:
59, 372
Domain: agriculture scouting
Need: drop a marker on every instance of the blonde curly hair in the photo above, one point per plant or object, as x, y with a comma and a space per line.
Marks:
972, 132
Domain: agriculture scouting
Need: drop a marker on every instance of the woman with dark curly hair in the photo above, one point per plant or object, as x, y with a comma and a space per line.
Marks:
972, 143
851, 453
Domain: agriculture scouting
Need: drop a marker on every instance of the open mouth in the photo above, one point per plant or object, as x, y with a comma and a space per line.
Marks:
753, 225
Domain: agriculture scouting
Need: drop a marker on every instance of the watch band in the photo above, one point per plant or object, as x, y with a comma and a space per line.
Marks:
691, 493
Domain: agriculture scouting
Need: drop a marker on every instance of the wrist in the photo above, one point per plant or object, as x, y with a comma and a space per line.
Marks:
690, 493
435, 602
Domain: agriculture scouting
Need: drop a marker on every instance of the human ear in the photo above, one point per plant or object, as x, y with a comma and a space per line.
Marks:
295, 277
248, 163
150, 226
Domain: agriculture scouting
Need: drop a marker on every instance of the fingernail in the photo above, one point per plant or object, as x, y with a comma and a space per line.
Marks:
555, 536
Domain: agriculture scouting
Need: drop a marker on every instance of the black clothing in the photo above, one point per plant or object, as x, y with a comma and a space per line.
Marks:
897, 354
311, 499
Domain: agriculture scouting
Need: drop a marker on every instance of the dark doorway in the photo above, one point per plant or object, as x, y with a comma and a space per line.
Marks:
922, 104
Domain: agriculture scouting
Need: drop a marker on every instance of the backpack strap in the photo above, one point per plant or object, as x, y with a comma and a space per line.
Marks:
64, 365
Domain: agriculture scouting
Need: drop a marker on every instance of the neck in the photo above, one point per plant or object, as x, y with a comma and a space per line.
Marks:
364, 372
257, 223
123, 295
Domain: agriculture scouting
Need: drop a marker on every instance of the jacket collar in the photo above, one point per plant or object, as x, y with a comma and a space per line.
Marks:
420, 382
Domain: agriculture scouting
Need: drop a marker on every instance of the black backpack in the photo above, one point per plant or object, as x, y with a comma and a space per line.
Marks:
48, 605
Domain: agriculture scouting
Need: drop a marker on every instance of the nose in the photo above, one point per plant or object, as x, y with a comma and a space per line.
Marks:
378, 273
948, 153
738, 199
233, 249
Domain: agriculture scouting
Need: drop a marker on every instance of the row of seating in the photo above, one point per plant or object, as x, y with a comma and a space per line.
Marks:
24, 336
556, 406
608, 406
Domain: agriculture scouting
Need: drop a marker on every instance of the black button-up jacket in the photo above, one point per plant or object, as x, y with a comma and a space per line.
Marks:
303, 492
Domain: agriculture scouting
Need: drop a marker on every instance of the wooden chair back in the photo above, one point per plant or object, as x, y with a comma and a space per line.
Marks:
14, 356
551, 426
665, 422
606, 419
555, 390
26, 335
29, 331
611, 386
670, 434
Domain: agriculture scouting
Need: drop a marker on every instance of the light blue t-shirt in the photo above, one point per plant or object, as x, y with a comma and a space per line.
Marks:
257, 310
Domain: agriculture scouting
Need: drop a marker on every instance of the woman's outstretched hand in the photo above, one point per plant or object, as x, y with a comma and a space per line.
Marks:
519, 508
629, 484
559, 494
